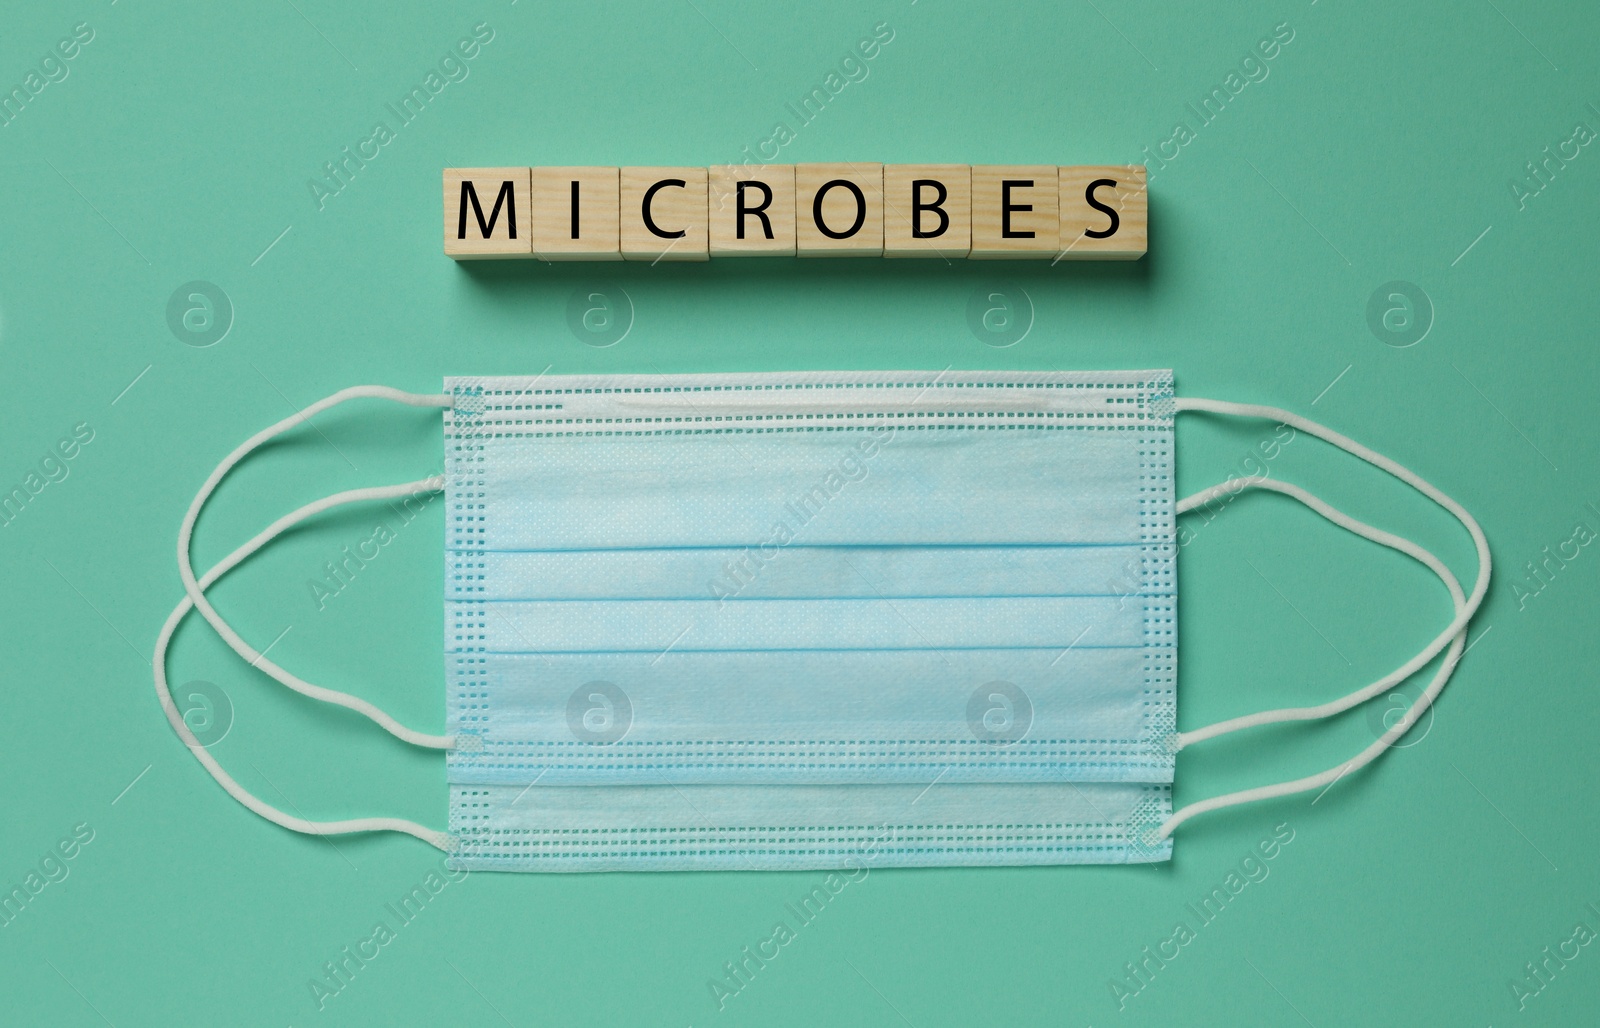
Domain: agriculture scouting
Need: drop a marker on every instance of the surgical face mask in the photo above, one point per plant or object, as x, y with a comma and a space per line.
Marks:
794, 580
812, 620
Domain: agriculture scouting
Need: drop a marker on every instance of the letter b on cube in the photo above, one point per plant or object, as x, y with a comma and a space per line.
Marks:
927, 210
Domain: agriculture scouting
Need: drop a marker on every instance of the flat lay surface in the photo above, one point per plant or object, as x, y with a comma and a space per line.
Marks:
1381, 219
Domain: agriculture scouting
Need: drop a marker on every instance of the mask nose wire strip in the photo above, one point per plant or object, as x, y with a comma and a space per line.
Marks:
1364, 530
223, 629
432, 837
1457, 627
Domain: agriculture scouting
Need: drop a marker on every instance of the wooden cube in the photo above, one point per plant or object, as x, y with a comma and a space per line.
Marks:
664, 214
838, 210
1105, 212
927, 210
575, 214
752, 210
1014, 211
486, 213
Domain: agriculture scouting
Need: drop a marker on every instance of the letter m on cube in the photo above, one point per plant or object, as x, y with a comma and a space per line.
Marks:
487, 213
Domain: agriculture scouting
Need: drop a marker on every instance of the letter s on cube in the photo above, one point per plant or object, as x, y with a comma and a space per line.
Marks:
1104, 212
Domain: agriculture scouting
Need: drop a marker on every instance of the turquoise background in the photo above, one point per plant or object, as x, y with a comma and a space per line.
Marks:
1380, 147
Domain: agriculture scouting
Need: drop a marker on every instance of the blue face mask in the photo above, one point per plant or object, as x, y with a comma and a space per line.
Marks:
810, 620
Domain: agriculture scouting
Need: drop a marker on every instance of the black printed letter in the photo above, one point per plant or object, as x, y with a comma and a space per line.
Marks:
649, 194
1006, 207
506, 197
861, 209
742, 210
1088, 194
917, 207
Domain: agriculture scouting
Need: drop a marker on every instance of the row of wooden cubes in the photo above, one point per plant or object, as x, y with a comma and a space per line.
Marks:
1048, 212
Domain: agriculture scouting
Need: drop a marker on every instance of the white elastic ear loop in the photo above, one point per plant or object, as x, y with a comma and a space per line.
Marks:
432, 837
1456, 633
1377, 535
232, 638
